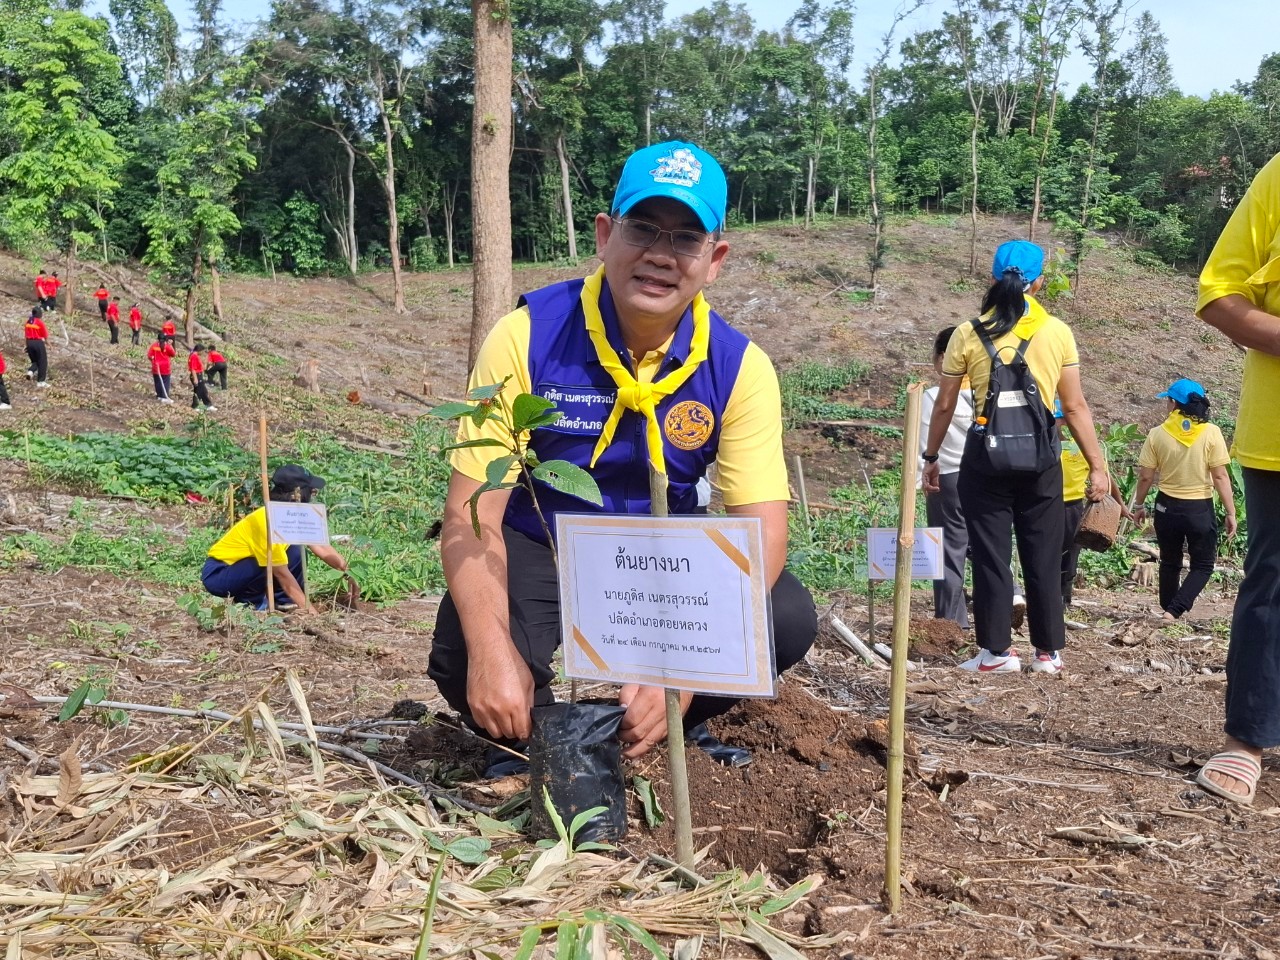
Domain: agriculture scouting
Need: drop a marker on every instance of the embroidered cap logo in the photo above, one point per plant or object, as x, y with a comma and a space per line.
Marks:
679, 167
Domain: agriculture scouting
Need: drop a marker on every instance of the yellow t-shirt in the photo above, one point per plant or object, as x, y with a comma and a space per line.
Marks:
1052, 347
1075, 471
1246, 261
749, 463
1183, 470
248, 538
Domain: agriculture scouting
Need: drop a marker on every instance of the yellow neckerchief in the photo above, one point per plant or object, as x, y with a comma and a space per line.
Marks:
633, 395
1182, 428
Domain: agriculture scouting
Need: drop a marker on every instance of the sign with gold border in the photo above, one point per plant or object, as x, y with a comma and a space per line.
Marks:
678, 602
926, 553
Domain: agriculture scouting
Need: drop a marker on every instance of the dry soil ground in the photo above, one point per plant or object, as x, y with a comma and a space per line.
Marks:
1046, 817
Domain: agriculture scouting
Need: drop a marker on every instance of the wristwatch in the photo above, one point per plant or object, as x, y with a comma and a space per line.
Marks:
929, 457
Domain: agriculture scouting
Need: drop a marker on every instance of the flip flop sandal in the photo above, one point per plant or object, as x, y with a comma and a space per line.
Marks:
1235, 764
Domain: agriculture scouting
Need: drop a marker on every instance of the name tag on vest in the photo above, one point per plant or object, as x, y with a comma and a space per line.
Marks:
1011, 398
583, 409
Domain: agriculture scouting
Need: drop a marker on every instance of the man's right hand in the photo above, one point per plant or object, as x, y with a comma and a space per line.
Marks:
500, 693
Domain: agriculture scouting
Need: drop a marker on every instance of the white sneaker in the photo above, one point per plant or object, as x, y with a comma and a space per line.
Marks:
210, 408
1019, 614
165, 400
1046, 662
30, 374
988, 662
5, 406
43, 384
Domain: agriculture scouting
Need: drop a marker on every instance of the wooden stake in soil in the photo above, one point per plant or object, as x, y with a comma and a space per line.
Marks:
871, 609
675, 719
898, 666
804, 497
266, 507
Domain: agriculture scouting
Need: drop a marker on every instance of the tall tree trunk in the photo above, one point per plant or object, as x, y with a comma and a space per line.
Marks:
808, 195
69, 305
1044, 155
215, 281
567, 196
648, 124
491, 145
449, 203
189, 314
389, 188
876, 257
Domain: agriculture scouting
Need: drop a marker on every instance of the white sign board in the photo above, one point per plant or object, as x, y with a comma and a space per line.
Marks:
295, 523
882, 553
677, 602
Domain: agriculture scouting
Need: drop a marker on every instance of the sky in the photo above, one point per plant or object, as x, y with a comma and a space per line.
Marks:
1211, 45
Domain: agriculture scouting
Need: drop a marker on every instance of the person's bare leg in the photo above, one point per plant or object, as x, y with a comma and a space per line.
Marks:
1230, 783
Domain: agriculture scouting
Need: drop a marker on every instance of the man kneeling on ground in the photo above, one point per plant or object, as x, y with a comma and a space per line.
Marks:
237, 564
637, 327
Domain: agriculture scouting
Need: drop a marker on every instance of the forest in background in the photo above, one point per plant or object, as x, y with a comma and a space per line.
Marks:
333, 137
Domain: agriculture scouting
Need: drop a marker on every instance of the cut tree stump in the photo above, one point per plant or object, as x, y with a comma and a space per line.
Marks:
308, 376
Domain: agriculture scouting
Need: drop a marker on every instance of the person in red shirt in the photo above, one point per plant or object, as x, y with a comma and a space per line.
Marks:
42, 290
199, 389
217, 368
53, 285
169, 331
37, 348
103, 295
160, 353
4, 393
135, 322
113, 319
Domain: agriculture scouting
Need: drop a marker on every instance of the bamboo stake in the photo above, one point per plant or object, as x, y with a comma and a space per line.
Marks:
675, 718
898, 665
231, 507
871, 609
804, 497
266, 507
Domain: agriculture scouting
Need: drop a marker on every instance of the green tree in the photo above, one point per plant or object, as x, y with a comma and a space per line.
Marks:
61, 167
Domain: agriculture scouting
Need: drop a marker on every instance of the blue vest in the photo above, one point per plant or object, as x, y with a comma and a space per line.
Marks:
563, 368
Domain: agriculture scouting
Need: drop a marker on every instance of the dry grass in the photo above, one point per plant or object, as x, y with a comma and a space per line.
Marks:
243, 843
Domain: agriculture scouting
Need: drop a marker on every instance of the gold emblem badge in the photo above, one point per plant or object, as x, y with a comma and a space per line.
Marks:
688, 424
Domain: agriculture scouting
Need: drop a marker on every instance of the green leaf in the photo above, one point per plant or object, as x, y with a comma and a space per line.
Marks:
528, 943
487, 392
452, 410
768, 942
528, 409
469, 850
75, 702
566, 940
581, 819
482, 413
653, 814
97, 693
556, 821
423, 949
497, 470
497, 879
786, 898
569, 478
482, 442
639, 934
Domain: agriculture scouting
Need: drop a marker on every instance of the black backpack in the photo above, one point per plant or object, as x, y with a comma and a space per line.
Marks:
1018, 436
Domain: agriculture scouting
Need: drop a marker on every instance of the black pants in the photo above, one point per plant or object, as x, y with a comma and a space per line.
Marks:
136, 334
943, 510
1253, 658
49, 303
1073, 513
1190, 524
1029, 505
217, 373
534, 606
4, 392
38, 354
200, 394
161, 381
102, 309
115, 331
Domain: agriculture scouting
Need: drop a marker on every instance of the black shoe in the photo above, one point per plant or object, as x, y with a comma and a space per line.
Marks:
499, 763
720, 752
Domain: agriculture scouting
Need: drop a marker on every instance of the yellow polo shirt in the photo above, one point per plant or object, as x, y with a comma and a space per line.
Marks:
248, 538
1052, 347
750, 467
1183, 470
1075, 472
1246, 261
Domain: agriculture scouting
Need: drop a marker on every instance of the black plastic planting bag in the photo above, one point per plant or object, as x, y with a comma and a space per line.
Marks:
576, 754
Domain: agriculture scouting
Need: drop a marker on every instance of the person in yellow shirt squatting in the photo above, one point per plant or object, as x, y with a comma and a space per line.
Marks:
1011, 483
643, 371
1240, 295
237, 564
1187, 458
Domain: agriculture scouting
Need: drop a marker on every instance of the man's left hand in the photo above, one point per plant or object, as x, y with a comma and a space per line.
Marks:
645, 723
1099, 485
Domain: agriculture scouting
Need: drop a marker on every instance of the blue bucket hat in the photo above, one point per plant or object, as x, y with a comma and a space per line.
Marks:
1022, 256
1180, 391
677, 170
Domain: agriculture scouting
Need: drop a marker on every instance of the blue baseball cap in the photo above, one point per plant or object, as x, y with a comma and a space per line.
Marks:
677, 170
1180, 391
1020, 255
